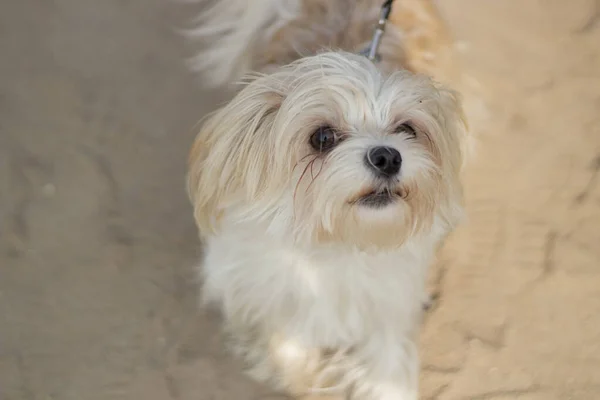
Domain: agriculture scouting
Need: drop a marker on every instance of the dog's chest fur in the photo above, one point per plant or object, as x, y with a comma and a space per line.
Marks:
328, 297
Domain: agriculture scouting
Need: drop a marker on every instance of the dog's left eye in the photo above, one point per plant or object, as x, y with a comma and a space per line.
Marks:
406, 128
323, 139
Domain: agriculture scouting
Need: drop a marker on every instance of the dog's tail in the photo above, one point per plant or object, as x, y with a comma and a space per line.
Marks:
231, 30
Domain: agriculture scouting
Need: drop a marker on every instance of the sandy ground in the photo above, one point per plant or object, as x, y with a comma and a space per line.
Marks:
97, 245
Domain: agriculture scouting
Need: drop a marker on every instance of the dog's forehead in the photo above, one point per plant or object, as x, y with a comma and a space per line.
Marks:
377, 104
351, 93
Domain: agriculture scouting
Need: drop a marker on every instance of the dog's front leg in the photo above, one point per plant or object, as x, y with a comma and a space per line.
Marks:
300, 370
390, 371
391, 390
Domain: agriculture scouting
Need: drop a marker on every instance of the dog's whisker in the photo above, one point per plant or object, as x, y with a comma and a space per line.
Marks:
300, 161
306, 167
315, 177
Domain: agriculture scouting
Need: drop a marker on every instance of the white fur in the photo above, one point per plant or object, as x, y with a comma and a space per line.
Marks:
232, 29
319, 292
236, 34
299, 269
323, 297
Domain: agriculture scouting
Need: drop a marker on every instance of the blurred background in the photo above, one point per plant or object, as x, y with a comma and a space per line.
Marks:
98, 245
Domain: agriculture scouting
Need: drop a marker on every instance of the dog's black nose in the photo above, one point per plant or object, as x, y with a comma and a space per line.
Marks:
384, 161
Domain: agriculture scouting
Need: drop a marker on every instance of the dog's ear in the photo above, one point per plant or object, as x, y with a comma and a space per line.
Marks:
452, 143
230, 159
456, 127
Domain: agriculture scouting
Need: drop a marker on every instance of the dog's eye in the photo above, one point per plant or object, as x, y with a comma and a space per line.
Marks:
406, 128
323, 139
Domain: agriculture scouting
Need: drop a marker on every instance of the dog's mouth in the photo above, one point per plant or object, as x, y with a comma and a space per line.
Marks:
379, 198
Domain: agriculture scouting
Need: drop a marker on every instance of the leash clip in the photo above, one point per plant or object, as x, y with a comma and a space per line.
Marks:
372, 51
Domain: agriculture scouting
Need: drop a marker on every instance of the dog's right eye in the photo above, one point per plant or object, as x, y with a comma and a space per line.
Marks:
323, 139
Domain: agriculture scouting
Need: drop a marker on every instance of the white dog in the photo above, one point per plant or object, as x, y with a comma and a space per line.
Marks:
322, 191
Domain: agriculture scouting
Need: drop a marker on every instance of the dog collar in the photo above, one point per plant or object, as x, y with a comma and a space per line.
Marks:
372, 51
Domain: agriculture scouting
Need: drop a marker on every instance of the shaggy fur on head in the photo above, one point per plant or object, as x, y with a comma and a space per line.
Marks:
316, 259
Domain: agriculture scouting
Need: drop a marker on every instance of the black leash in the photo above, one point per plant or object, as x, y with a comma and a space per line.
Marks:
372, 51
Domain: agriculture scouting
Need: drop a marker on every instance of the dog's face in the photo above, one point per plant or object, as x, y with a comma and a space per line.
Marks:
328, 149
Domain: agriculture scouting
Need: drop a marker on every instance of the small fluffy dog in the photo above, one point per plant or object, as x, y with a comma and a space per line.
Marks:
323, 189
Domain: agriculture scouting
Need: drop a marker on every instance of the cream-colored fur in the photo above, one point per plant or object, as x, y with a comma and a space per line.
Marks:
321, 293
243, 35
